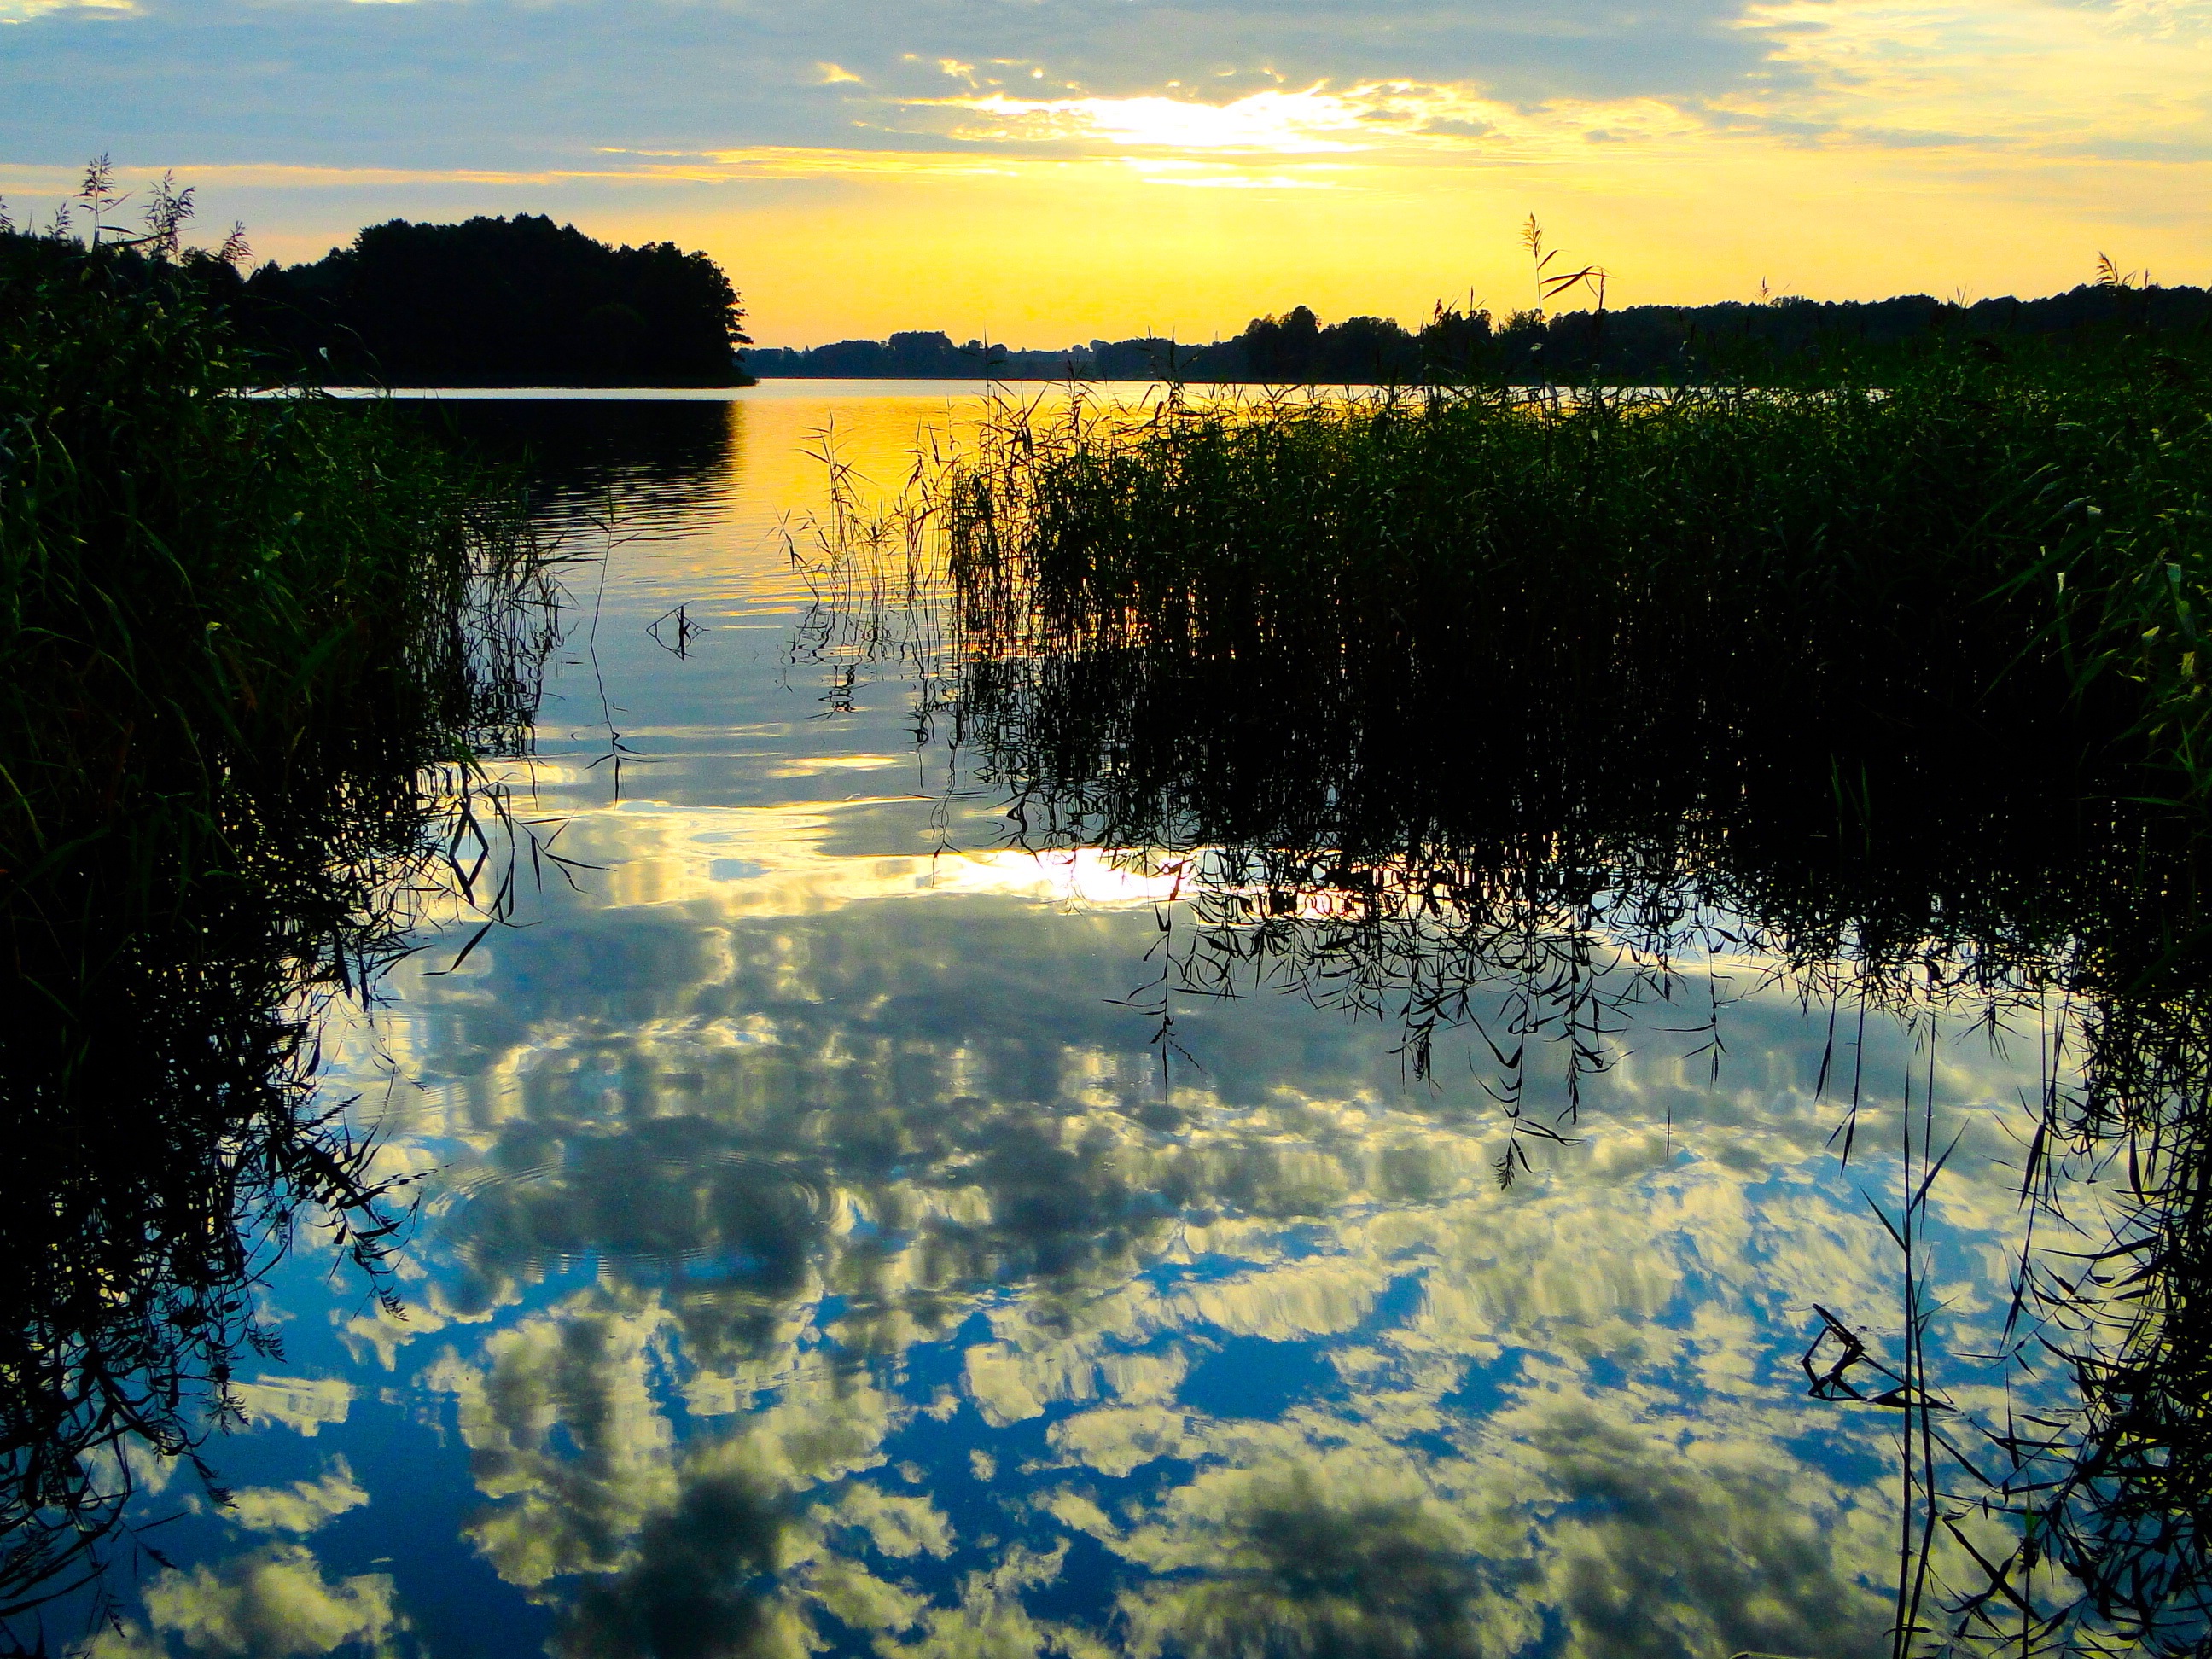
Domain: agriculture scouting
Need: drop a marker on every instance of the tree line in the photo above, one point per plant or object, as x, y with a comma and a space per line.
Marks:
1637, 344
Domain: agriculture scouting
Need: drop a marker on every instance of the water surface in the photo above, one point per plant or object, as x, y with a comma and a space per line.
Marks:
842, 1229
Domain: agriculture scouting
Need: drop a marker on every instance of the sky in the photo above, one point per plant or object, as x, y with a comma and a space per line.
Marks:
1041, 171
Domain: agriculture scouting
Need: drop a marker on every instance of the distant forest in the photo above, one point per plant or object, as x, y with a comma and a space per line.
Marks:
518, 301
1637, 345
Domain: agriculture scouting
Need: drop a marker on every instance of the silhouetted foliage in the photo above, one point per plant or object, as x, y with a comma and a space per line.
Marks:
1642, 345
1282, 350
518, 301
244, 640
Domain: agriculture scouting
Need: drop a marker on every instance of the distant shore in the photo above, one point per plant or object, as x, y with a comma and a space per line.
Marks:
1637, 345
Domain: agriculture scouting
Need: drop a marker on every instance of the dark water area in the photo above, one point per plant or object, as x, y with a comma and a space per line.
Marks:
1001, 1139
664, 459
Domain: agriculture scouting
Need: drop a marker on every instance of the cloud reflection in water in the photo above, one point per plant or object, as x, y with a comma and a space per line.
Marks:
818, 1258
1560, 1414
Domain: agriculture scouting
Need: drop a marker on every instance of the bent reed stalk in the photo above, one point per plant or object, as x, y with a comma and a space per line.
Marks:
252, 651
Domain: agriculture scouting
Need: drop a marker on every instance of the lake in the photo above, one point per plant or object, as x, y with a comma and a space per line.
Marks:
856, 1212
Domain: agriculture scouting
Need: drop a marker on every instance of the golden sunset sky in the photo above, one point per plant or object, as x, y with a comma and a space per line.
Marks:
1042, 172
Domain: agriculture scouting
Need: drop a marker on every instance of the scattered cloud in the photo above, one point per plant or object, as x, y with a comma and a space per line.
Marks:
533, 84
270, 1603
22, 11
1390, 80
302, 1507
1570, 1408
2160, 20
304, 1405
1278, 123
2025, 77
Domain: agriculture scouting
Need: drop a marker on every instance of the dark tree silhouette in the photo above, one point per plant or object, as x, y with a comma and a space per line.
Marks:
518, 301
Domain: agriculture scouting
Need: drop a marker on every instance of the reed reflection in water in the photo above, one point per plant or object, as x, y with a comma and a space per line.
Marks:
160, 1066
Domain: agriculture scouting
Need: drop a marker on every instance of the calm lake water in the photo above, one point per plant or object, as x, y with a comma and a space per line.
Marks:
821, 1249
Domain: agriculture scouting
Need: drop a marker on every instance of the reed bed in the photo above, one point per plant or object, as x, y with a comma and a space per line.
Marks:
1967, 527
1920, 656
213, 609
250, 651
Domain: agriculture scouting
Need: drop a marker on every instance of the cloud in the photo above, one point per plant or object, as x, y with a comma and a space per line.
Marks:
1569, 1407
511, 85
2157, 20
666, 94
302, 1507
684, 1597
1277, 123
302, 1404
22, 11
270, 1603
2024, 76
1305, 1569
895, 1523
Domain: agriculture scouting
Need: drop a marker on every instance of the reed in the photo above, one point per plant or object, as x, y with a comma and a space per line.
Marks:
249, 650
205, 599
1997, 532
